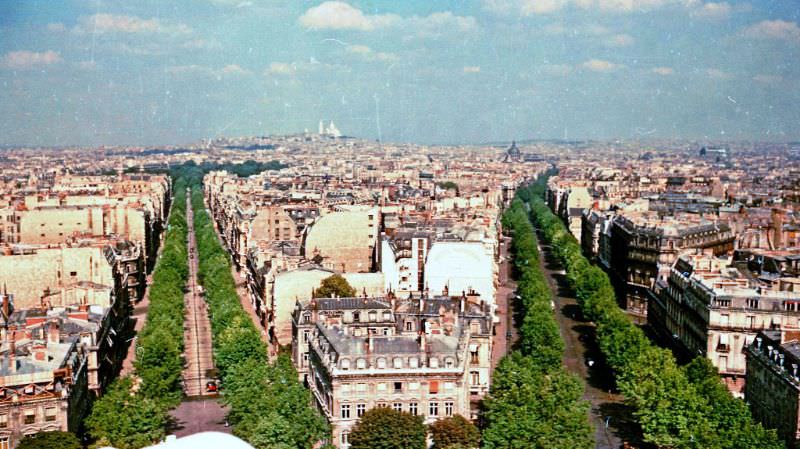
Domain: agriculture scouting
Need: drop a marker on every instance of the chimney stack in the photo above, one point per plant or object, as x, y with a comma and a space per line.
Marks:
53, 333
12, 350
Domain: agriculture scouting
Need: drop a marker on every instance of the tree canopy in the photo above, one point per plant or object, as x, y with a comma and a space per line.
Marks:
384, 428
334, 286
50, 440
455, 432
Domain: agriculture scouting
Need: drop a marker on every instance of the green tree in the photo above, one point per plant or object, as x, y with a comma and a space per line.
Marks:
334, 285
455, 432
126, 420
384, 428
50, 440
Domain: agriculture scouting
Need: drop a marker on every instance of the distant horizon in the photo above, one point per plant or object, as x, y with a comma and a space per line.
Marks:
448, 72
523, 141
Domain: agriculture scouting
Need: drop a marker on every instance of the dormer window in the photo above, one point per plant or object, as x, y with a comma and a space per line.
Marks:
381, 363
361, 364
345, 364
409, 326
356, 317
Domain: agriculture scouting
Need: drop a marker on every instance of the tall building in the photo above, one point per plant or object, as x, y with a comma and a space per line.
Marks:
715, 306
773, 382
429, 356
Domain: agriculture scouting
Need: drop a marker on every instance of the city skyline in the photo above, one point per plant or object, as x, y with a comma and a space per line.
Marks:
437, 73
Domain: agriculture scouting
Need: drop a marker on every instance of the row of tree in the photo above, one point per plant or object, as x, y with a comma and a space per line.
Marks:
677, 407
269, 407
534, 402
134, 411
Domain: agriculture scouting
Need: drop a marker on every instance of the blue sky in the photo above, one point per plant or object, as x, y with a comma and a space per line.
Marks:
96, 72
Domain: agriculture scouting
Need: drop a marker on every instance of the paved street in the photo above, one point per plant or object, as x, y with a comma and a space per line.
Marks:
197, 327
505, 308
610, 416
199, 415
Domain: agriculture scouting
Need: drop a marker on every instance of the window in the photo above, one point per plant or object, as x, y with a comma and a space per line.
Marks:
345, 364
361, 364
398, 362
449, 386
433, 362
356, 317
360, 409
751, 321
344, 411
413, 386
724, 319
723, 362
381, 363
434, 387
362, 387
397, 406
3, 421
473, 354
306, 333
346, 388
409, 326
373, 316
475, 377
723, 343
448, 408
412, 408
5, 443
30, 416
752, 303
344, 438
413, 362
433, 409
387, 316
50, 414
398, 387
382, 386
73, 273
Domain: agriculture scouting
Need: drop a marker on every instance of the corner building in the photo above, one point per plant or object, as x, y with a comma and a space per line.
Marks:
428, 356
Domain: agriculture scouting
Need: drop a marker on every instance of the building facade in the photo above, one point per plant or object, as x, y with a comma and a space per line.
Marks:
429, 356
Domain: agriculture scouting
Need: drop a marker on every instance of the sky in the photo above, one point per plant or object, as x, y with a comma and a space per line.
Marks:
151, 72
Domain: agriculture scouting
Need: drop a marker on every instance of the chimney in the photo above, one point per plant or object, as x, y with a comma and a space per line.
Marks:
462, 301
53, 333
370, 344
12, 350
422, 342
422, 303
39, 353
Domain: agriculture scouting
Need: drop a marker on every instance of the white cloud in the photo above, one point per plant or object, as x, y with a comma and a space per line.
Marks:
113, 23
472, 69
718, 74
557, 69
531, 7
281, 68
369, 54
86, 65
714, 11
768, 79
202, 44
600, 65
234, 69
56, 27
774, 29
338, 15
23, 60
228, 70
619, 40
663, 71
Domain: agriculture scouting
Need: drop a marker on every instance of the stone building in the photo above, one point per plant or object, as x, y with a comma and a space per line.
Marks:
715, 306
641, 249
53, 361
773, 382
429, 356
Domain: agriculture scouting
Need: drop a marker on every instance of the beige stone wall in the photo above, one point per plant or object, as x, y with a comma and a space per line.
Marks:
344, 239
57, 225
28, 276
